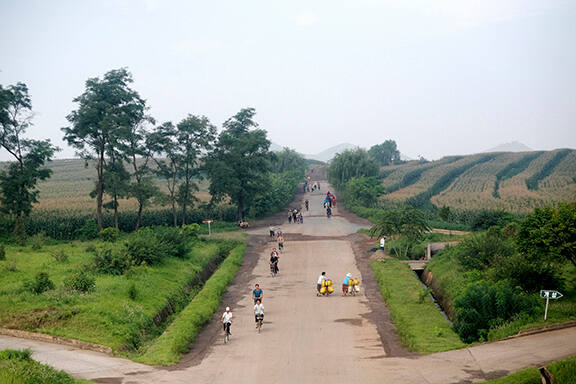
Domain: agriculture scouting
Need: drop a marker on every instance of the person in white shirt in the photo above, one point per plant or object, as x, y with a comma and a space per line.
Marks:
320, 278
382, 242
258, 311
227, 319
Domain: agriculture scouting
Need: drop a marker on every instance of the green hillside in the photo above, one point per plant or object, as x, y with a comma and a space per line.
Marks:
516, 182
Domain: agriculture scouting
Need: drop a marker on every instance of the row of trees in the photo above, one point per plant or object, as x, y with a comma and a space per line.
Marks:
112, 128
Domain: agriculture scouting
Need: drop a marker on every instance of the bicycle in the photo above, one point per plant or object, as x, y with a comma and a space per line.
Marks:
260, 321
227, 333
273, 270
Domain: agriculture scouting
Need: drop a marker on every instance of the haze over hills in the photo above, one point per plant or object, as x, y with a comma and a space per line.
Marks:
513, 146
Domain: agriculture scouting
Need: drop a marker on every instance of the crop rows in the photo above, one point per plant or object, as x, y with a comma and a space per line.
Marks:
547, 169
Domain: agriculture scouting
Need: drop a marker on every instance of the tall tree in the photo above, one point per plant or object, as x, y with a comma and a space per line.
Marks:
288, 160
352, 163
195, 137
107, 110
386, 153
163, 145
240, 162
18, 182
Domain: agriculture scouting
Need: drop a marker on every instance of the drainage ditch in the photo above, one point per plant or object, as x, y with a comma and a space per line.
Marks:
437, 303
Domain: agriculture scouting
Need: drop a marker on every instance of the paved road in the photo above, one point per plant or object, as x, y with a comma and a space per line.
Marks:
309, 339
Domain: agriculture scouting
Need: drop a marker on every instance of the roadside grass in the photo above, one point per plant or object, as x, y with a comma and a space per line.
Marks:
18, 367
218, 226
564, 372
119, 313
417, 249
419, 323
175, 341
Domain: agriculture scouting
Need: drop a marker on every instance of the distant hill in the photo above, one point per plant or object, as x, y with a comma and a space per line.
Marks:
511, 181
328, 154
513, 146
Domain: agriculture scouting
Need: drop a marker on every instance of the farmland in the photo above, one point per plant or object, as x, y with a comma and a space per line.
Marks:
515, 182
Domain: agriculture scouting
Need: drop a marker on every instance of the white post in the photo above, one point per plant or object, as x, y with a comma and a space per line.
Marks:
546, 310
209, 233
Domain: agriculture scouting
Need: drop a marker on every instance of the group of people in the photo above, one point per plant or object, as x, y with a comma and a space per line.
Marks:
346, 284
278, 235
309, 186
295, 216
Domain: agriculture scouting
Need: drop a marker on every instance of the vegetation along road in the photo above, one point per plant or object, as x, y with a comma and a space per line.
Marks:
306, 338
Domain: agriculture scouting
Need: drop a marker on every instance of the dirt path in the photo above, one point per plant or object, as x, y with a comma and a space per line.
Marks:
307, 339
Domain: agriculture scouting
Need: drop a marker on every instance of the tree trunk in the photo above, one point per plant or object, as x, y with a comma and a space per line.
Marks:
139, 218
174, 213
184, 213
20, 228
240, 210
100, 190
116, 212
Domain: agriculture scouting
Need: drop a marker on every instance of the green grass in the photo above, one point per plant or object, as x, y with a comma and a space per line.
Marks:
107, 316
17, 367
175, 342
564, 372
418, 249
420, 325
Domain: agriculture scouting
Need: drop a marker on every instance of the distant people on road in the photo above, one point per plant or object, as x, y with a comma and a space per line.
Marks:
328, 212
227, 319
274, 258
307, 204
290, 217
280, 240
271, 230
258, 311
300, 218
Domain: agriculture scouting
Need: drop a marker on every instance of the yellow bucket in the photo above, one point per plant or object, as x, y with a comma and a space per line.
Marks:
330, 289
323, 290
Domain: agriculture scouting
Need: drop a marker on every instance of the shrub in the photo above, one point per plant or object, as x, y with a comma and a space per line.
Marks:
41, 283
486, 305
2, 252
37, 241
485, 219
109, 234
480, 251
11, 267
143, 247
109, 261
81, 282
132, 291
171, 241
60, 256
11, 354
88, 231
530, 274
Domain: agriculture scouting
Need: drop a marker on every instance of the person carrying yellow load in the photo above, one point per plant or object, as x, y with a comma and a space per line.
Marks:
346, 284
324, 285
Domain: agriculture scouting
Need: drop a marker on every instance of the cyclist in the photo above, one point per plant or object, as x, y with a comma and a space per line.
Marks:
307, 203
257, 293
258, 312
227, 320
328, 212
274, 257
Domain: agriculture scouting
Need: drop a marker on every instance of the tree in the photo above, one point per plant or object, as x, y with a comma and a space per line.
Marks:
349, 164
18, 182
107, 110
195, 136
549, 233
116, 185
239, 165
386, 153
363, 190
445, 213
163, 143
288, 160
405, 222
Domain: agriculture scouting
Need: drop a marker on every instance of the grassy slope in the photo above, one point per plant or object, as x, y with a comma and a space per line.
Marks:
564, 372
17, 367
474, 188
108, 316
420, 325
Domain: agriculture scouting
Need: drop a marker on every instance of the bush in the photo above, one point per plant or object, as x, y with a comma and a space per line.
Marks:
81, 282
2, 252
132, 291
111, 262
37, 241
485, 305
172, 242
531, 275
89, 230
19, 367
480, 251
143, 247
60, 256
41, 283
109, 234
485, 219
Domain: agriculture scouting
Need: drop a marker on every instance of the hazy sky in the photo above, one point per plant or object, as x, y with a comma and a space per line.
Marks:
438, 76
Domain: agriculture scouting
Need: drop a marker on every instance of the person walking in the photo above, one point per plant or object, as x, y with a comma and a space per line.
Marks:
271, 230
346, 283
321, 278
382, 242
280, 243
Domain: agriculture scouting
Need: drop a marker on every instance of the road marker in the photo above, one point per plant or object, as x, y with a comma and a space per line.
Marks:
549, 294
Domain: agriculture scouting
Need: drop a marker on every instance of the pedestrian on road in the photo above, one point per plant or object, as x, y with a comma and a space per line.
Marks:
257, 293
280, 243
300, 218
290, 217
271, 229
346, 283
319, 284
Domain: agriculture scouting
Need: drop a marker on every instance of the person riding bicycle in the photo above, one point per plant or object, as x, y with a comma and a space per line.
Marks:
258, 312
227, 320
328, 211
274, 257
280, 243
257, 293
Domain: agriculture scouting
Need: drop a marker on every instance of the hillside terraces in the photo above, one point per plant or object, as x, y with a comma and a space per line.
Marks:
516, 182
